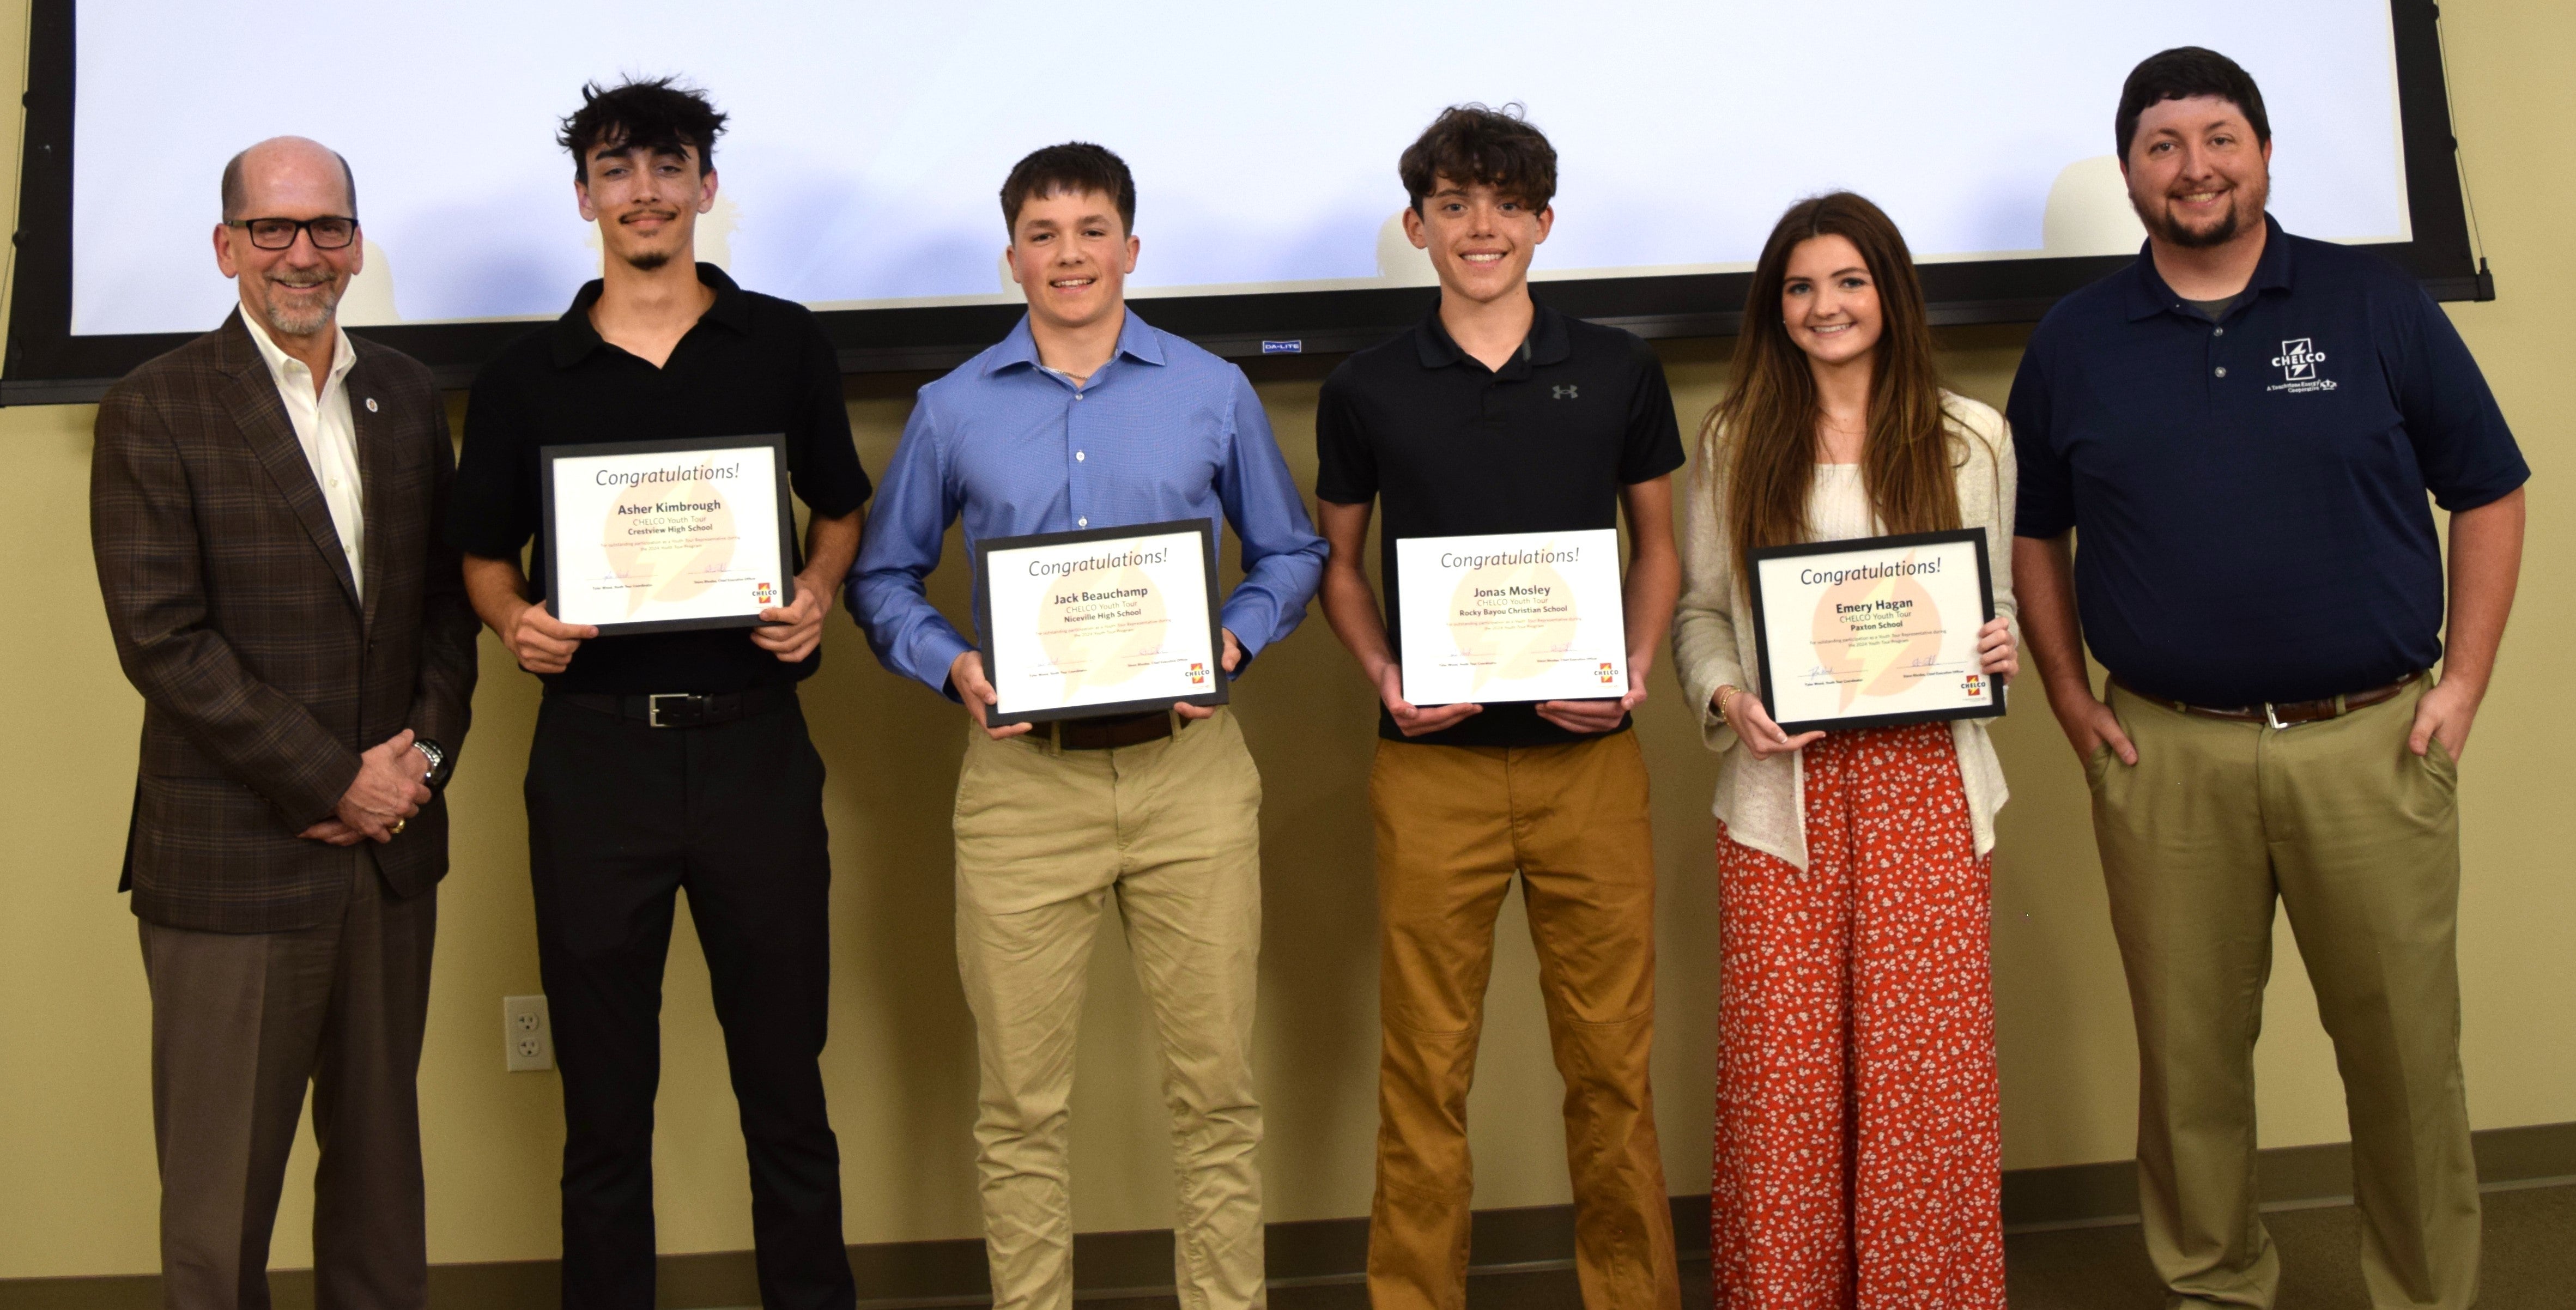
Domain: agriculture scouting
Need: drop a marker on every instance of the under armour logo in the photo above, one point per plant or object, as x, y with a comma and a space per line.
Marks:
1563, 393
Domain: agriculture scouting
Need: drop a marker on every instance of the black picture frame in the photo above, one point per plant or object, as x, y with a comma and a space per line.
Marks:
1757, 557
46, 364
774, 442
1218, 692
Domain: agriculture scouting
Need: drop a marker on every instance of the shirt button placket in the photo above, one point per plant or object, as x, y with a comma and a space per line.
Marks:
1073, 472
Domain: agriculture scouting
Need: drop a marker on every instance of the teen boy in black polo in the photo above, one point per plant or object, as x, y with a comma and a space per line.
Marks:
1498, 414
2242, 429
633, 791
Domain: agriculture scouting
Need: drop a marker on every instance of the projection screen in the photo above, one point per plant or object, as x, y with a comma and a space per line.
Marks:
868, 142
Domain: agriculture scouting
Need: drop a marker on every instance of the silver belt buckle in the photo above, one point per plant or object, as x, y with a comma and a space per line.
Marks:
2274, 719
653, 707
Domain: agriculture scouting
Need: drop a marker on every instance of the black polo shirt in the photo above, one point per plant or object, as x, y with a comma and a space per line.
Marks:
752, 365
2249, 494
1449, 448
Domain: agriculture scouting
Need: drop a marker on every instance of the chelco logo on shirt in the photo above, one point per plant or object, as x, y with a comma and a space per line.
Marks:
2298, 363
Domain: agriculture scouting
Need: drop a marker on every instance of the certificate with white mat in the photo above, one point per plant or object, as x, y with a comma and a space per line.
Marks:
1106, 621
1513, 616
668, 536
1875, 632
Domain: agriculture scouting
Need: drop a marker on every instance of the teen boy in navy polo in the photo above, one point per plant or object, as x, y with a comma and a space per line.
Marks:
1498, 414
2243, 427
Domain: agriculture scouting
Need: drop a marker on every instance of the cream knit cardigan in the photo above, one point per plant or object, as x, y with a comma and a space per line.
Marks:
1763, 802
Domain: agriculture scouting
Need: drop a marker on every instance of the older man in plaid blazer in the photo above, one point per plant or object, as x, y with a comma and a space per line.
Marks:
264, 509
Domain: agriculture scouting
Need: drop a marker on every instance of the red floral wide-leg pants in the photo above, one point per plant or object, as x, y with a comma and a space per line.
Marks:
1858, 1150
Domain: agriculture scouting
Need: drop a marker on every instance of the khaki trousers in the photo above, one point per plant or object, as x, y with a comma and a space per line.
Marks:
1044, 839
2358, 839
240, 1023
1454, 824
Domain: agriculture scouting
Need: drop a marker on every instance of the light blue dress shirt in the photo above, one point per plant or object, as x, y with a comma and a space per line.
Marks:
1164, 431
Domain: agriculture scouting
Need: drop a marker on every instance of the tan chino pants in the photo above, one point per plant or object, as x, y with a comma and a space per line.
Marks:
2358, 839
1045, 838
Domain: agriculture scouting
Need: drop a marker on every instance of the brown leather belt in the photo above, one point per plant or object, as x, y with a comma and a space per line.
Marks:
2283, 714
1112, 731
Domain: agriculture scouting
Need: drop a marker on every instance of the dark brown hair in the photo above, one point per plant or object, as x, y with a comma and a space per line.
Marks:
655, 115
2187, 72
1472, 145
1074, 168
1765, 429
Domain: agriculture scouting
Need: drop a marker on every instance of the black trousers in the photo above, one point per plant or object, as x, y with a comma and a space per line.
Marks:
621, 816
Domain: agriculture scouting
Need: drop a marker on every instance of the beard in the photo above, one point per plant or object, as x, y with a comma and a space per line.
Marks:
2160, 223
288, 320
648, 260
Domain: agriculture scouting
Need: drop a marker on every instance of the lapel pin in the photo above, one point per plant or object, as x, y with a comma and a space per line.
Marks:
371, 404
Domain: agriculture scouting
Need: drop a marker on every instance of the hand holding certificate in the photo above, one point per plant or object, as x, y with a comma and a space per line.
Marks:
1531, 616
1110, 621
1875, 632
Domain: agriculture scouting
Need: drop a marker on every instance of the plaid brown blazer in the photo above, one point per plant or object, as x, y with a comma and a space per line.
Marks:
235, 615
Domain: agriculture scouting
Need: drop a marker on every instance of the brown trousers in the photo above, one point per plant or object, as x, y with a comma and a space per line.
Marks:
1454, 824
240, 1022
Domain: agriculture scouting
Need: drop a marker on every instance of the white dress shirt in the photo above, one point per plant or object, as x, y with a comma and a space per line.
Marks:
327, 433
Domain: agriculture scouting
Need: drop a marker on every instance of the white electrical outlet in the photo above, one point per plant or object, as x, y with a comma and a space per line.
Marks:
527, 1036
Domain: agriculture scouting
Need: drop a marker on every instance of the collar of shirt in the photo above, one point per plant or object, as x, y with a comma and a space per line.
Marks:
291, 372
327, 432
2150, 296
575, 336
1020, 351
1546, 344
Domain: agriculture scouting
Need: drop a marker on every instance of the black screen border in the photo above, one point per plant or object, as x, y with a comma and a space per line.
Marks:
46, 364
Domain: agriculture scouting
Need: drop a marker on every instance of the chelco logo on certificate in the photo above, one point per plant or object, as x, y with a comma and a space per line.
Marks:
665, 536
1515, 616
1874, 632
1110, 621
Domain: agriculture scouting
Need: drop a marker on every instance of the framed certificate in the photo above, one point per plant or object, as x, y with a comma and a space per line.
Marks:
660, 536
1110, 621
1516, 616
663, 536
1874, 632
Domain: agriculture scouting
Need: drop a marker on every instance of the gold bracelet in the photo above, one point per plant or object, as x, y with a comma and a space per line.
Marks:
1725, 696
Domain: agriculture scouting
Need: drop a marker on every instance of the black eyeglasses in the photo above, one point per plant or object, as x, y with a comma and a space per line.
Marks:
279, 233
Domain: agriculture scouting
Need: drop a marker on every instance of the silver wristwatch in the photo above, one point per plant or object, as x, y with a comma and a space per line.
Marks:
436, 756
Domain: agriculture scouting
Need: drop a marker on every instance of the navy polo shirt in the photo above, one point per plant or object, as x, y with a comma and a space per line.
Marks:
2249, 495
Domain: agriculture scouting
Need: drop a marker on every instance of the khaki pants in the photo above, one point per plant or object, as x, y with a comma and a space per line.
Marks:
1044, 838
240, 1023
2358, 838
1454, 823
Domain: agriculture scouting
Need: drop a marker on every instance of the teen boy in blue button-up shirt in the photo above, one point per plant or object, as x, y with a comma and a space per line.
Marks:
1087, 418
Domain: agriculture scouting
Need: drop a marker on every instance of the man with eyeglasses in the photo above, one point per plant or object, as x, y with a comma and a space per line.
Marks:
264, 508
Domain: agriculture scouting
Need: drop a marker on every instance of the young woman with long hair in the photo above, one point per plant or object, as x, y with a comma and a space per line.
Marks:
1857, 1155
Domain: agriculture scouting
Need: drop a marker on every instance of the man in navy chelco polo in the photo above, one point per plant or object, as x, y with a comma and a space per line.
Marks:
2243, 428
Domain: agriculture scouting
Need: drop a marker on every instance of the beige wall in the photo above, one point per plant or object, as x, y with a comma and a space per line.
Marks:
75, 1127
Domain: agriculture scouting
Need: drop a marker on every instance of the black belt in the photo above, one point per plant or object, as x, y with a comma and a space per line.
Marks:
1113, 731
682, 709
